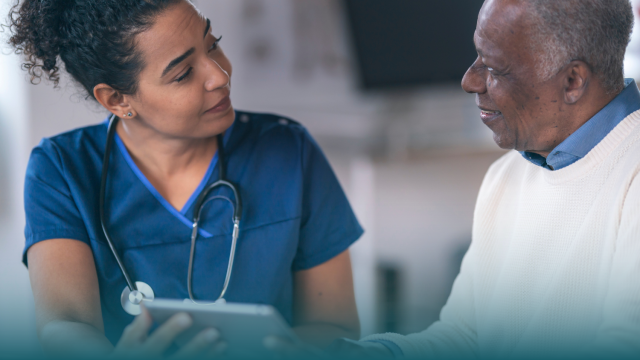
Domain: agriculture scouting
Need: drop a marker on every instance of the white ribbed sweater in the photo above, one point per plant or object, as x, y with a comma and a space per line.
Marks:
554, 266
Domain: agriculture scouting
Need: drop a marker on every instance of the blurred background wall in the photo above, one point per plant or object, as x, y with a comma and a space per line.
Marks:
411, 156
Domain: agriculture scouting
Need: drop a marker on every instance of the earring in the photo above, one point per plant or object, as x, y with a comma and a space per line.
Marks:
130, 114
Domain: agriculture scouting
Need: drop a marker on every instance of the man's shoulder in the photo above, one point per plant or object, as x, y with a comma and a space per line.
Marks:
619, 150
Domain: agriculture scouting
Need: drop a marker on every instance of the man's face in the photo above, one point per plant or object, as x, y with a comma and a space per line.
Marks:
523, 112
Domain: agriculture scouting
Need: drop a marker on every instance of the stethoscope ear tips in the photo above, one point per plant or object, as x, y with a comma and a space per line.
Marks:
131, 300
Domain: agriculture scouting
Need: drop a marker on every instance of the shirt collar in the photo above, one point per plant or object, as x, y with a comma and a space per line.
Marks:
581, 142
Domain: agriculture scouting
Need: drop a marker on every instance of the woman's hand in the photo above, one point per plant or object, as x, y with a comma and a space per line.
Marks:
136, 342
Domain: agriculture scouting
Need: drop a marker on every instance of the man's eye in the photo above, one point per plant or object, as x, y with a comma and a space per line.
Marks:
186, 74
215, 44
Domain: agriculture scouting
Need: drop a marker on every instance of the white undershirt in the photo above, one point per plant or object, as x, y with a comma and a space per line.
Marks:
554, 266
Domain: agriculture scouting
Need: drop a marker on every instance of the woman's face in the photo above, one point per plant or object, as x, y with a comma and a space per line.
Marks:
184, 89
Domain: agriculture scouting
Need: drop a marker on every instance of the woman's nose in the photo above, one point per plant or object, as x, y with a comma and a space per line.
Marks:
474, 81
217, 77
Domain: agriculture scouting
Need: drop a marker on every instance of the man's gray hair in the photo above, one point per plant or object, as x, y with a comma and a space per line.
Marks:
594, 31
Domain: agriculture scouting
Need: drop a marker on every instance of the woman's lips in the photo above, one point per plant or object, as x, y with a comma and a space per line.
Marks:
223, 105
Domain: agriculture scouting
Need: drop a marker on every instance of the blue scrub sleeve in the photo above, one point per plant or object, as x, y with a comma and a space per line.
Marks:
51, 212
328, 224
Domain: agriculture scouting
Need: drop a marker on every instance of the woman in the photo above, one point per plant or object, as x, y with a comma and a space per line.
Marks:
156, 65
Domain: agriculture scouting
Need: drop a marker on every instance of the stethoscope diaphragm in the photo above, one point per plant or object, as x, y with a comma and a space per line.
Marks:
131, 300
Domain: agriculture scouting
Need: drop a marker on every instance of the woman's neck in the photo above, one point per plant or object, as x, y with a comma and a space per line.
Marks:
163, 155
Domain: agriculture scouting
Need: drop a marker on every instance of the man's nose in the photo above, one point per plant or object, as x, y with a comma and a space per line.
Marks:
474, 81
217, 77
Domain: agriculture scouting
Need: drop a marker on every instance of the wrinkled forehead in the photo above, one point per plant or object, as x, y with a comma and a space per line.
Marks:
503, 29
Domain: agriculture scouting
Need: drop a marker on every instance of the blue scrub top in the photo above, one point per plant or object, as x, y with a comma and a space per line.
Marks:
295, 215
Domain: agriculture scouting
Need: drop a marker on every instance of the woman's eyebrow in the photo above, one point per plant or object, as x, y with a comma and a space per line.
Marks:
182, 57
206, 30
177, 61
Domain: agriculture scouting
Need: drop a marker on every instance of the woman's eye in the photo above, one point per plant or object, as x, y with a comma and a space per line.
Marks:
186, 74
215, 44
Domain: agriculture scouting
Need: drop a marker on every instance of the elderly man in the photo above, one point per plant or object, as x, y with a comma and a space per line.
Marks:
554, 266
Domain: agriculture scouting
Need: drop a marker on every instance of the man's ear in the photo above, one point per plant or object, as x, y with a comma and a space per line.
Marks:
577, 76
113, 100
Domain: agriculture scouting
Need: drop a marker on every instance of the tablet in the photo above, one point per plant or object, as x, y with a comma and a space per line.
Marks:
242, 326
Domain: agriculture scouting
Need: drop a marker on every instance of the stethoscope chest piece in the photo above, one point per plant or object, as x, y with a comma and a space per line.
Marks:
131, 300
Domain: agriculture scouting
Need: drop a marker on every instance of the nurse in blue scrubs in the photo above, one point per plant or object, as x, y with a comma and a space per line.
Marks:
157, 65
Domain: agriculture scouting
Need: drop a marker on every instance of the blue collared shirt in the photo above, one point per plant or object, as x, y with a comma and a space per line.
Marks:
580, 143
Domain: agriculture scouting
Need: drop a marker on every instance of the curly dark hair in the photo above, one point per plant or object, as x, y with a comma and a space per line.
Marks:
94, 39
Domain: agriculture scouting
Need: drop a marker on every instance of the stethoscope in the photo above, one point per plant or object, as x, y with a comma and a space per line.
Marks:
137, 292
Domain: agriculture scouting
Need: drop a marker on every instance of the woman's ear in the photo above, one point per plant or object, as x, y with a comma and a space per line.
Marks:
112, 100
576, 81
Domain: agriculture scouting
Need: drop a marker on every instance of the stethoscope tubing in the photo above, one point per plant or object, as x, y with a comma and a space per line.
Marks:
113, 121
232, 252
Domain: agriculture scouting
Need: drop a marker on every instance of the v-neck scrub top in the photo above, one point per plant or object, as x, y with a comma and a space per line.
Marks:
295, 215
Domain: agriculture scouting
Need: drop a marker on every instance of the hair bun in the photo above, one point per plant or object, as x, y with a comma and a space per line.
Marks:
94, 39
35, 27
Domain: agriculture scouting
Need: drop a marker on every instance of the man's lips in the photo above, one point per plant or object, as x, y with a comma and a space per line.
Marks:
223, 105
488, 115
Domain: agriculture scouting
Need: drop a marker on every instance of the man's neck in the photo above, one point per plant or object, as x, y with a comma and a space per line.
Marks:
577, 115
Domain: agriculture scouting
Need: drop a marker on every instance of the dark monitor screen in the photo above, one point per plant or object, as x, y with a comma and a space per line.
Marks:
408, 43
